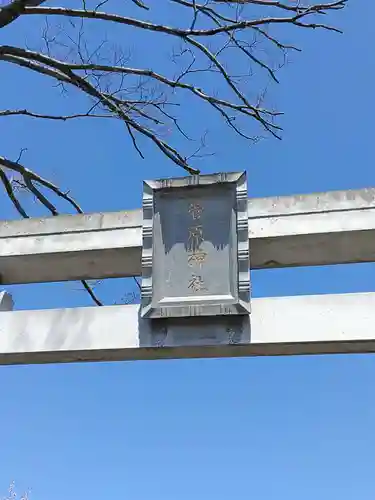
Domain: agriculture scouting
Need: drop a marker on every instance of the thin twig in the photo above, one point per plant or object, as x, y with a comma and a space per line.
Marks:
25, 112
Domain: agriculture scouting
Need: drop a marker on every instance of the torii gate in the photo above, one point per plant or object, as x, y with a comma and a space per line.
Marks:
317, 229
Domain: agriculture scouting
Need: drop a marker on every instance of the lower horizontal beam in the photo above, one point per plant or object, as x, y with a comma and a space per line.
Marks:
318, 324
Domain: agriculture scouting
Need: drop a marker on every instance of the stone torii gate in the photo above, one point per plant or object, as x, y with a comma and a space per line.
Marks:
177, 318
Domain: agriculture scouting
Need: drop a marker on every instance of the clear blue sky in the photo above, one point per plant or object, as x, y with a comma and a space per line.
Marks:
264, 428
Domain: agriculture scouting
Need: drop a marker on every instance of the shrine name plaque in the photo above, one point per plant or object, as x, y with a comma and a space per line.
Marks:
195, 255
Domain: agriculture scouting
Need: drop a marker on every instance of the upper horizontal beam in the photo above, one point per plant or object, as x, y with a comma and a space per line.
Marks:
316, 229
322, 324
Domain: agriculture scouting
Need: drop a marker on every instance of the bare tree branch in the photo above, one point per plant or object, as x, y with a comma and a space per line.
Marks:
240, 25
13, 10
90, 291
189, 36
276, 42
140, 4
10, 192
29, 179
220, 40
25, 112
26, 173
62, 72
294, 8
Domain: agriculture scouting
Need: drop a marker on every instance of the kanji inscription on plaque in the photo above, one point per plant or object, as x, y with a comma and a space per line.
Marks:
195, 256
